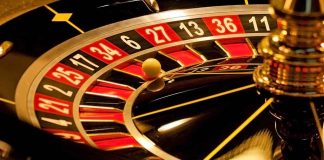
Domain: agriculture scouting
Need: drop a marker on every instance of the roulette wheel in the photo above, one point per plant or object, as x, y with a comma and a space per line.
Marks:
77, 76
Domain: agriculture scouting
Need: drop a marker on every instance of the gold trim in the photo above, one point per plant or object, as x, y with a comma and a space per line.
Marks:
109, 133
5, 47
9, 9
99, 120
105, 95
74, 26
153, 5
36, 71
137, 60
221, 46
7, 101
296, 48
119, 84
166, 55
124, 147
239, 129
197, 53
317, 121
322, 6
128, 73
263, 82
67, 21
99, 107
213, 73
246, 2
139, 137
51, 9
233, 72
254, 50
5, 150
218, 59
195, 101
224, 64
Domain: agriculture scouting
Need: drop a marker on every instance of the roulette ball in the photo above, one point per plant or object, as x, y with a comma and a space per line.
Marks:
74, 82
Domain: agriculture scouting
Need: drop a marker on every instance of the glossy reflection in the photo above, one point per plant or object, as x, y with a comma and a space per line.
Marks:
174, 125
156, 86
195, 129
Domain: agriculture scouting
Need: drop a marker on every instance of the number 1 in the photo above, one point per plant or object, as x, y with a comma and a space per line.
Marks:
266, 23
263, 20
252, 20
90, 65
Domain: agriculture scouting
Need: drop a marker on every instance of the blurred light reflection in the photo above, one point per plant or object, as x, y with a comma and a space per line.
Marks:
174, 124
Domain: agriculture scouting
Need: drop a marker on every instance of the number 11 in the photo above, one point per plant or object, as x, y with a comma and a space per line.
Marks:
263, 20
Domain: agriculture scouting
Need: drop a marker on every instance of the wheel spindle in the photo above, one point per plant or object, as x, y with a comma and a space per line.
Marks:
293, 73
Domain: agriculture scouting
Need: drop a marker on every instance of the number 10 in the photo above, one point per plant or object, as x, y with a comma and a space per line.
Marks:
263, 20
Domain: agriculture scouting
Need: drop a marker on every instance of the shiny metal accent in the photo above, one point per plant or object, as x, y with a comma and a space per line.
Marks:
298, 8
5, 47
294, 53
33, 75
5, 150
152, 4
10, 9
260, 143
31, 78
131, 127
277, 153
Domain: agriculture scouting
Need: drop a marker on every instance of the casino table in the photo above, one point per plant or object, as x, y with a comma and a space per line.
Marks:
72, 84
